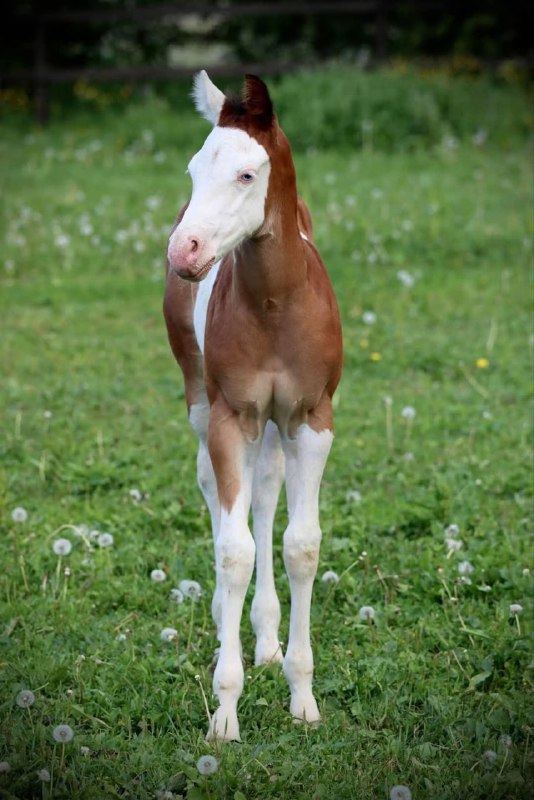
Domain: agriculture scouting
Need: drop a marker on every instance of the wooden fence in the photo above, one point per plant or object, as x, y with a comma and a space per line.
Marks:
41, 74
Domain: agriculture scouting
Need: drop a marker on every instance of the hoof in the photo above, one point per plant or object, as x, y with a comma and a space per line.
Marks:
304, 709
224, 726
268, 652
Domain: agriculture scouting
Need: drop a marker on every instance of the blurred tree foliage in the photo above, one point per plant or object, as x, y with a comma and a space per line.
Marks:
483, 29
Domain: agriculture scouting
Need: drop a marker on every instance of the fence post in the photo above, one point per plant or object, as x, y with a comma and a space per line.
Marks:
41, 99
381, 31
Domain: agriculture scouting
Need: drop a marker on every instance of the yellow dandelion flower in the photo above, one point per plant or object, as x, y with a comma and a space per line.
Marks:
482, 363
376, 357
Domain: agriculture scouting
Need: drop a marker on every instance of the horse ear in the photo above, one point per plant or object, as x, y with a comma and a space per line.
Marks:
208, 99
257, 100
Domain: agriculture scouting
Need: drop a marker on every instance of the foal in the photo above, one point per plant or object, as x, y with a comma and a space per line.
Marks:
259, 344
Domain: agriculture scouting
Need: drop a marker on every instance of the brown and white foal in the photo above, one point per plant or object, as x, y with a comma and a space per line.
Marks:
259, 344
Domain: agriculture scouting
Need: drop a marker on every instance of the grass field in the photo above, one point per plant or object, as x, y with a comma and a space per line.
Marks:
435, 240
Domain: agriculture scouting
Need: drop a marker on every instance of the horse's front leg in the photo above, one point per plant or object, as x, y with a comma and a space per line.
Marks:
306, 457
233, 457
265, 612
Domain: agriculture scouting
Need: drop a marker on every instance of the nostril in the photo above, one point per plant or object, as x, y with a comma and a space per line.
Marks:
194, 245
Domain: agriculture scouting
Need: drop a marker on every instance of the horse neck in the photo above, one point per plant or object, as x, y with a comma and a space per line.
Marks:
271, 265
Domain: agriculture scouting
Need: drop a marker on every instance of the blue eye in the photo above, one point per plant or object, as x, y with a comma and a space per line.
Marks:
246, 177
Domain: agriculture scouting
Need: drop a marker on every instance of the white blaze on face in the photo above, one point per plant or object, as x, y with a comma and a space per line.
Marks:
230, 177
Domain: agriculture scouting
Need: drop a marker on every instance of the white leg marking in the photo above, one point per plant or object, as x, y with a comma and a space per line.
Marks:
306, 458
198, 417
234, 554
265, 612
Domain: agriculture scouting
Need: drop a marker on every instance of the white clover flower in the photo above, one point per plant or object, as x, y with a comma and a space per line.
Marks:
19, 514
452, 531
400, 792
84, 751
62, 547
465, 568
207, 765
353, 496
105, 540
408, 412
453, 545
367, 614
176, 596
153, 202
191, 589
406, 278
135, 494
490, 756
515, 609
506, 741
168, 634
62, 240
158, 575
369, 317
25, 698
4, 766
63, 733
43, 775
330, 576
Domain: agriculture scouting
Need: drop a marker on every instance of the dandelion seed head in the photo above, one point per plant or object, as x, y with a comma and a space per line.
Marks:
353, 496
515, 609
451, 531
84, 751
105, 540
207, 765
330, 576
158, 575
525, 572
400, 792
43, 775
135, 494
465, 568
369, 317
490, 756
62, 733
406, 278
453, 545
367, 614
408, 412
191, 589
62, 547
25, 698
506, 741
19, 514
168, 634
4, 766
176, 595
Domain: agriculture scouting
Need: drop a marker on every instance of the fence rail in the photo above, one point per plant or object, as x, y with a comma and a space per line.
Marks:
41, 75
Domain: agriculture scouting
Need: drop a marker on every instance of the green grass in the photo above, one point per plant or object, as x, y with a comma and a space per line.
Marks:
416, 699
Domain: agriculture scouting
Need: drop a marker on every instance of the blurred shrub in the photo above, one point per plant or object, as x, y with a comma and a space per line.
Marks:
399, 109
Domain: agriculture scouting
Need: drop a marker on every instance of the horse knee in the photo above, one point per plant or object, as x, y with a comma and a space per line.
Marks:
301, 550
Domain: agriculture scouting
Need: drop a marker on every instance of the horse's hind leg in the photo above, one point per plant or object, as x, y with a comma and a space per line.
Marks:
265, 613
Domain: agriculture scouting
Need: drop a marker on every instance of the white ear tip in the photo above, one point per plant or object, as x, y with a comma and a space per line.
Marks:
208, 99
